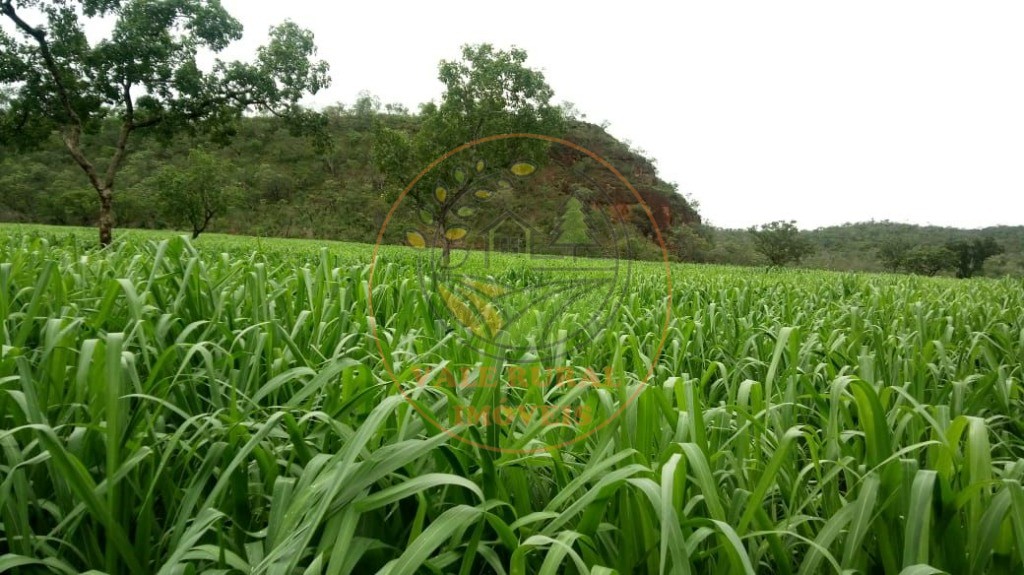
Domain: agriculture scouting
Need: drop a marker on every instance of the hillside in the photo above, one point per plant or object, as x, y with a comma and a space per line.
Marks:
854, 246
285, 186
288, 187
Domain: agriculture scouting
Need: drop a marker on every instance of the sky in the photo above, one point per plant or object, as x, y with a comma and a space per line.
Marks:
814, 111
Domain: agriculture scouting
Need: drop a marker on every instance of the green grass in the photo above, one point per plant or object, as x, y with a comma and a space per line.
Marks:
222, 406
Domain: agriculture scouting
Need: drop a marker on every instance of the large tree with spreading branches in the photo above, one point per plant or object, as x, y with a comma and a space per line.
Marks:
145, 73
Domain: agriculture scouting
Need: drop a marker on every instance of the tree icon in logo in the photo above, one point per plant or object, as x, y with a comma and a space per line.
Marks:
573, 232
514, 260
517, 322
455, 205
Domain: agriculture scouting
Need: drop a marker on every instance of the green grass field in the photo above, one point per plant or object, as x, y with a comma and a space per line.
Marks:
235, 405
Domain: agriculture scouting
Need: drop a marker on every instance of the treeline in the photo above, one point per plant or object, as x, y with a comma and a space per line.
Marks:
884, 246
129, 131
231, 149
272, 182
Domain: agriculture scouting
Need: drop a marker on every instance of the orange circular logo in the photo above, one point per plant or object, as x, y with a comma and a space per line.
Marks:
524, 265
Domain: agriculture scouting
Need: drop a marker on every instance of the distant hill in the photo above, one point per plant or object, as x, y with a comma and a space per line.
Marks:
287, 188
854, 246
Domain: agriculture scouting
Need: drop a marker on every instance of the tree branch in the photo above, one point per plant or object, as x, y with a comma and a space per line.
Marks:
72, 133
148, 122
44, 50
122, 138
129, 106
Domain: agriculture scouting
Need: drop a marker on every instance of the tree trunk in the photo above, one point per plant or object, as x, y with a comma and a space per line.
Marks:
446, 253
106, 223
446, 246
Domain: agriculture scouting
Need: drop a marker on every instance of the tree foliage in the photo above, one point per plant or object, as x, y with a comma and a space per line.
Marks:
781, 242
197, 193
893, 254
691, 243
970, 255
145, 73
927, 260
963, 256
488, 92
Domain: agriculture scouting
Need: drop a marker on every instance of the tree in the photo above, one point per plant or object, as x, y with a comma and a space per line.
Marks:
572, 227
145, 74
488, 92
781, 242
893, 254
366, 107
691, 243
196, 194
571, 112
928, 260
396, 109
970, 255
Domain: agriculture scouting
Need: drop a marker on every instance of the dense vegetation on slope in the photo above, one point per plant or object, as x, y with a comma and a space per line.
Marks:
284, 186
844, 243
857, 246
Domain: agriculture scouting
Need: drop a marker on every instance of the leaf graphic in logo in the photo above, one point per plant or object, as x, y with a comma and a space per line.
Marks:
455, 234
466, 212
522, 169
441, 194
482, 294
483, 194
480, 166
459, 308
460, 175
490, 288
472, 310
426, 217
492, 319
416, 240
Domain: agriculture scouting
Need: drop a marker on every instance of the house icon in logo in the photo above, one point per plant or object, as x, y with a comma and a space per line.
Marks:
509, 233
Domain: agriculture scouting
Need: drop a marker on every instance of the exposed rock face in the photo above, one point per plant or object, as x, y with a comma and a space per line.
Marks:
668, 207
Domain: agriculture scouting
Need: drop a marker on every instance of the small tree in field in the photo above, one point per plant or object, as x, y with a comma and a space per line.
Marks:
196, 194
145, 74
781, 242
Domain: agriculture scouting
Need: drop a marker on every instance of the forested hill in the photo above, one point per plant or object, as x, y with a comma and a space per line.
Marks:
284, 185
858, 246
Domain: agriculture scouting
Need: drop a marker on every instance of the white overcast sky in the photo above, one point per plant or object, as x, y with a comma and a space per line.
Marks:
820, 111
